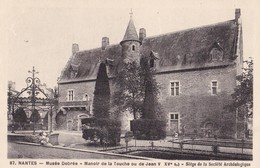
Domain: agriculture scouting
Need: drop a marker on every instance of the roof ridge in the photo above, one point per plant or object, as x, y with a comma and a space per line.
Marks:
189, 29
97, 48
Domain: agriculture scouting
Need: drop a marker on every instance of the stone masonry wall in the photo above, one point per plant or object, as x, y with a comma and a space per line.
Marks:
79, 89
195, 104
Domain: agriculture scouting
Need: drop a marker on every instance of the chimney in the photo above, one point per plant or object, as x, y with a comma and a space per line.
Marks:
75, 48
11, 85
237, 14
105, 42
142, 34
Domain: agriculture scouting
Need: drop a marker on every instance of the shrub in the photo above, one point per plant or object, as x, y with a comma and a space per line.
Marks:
227, 130
32, 138
148, 129
106, 130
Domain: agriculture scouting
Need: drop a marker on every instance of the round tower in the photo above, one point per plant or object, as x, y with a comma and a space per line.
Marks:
131, 43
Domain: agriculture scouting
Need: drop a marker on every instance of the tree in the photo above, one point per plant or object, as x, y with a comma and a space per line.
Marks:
102, 126
20, 116
243, 94
129, 92
242, 104
101, 101
150, 105
152, 123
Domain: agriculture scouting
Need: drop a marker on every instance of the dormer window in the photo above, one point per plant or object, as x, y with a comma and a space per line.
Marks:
133, 47
216, 52
73, 74
73, 70
152, 59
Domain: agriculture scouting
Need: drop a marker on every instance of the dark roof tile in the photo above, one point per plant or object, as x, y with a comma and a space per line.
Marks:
177, 50
130, 33
192, 46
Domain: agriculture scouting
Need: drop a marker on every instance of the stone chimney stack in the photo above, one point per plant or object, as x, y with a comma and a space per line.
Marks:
11, 85
105, 42
142, 34
237, 14
75, 48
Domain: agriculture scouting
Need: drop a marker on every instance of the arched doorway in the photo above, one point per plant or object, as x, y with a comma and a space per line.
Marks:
209, 129
61, 120
80, 117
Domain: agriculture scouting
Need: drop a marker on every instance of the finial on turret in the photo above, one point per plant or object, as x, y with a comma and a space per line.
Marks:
131, 13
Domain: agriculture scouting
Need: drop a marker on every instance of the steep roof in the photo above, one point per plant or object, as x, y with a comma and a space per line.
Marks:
175, 51
130, 33
191, 48
88, 63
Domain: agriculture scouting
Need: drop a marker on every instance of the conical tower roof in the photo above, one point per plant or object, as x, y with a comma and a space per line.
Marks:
130, 33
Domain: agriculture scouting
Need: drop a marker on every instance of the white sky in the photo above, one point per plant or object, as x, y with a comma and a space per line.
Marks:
50, 27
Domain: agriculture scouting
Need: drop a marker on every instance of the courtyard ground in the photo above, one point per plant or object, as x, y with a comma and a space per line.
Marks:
74, 140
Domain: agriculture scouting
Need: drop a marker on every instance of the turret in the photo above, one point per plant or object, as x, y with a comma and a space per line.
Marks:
131, 43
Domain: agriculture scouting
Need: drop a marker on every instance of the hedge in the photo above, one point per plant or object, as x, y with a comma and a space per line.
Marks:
106, 130
148, 129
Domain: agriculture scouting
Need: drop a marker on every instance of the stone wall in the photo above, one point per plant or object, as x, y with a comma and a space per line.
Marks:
80, 89
71, 116
195, 104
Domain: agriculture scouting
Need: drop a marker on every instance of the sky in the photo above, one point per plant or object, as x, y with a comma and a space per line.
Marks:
41, 33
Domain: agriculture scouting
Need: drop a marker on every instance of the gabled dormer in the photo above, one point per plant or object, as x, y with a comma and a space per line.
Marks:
73, 70
154, 56
216, 52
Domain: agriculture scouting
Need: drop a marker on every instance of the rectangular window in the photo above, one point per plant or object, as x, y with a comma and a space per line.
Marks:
175, 88
174, 123
174, 116
70, 95
214, 87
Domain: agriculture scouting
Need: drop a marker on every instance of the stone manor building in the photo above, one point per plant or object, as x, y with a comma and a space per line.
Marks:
196, 70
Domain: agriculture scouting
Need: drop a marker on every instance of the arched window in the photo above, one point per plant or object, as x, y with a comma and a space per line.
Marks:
86, 97
133, 47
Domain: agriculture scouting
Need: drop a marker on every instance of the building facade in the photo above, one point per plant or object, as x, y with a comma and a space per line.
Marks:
195, 68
